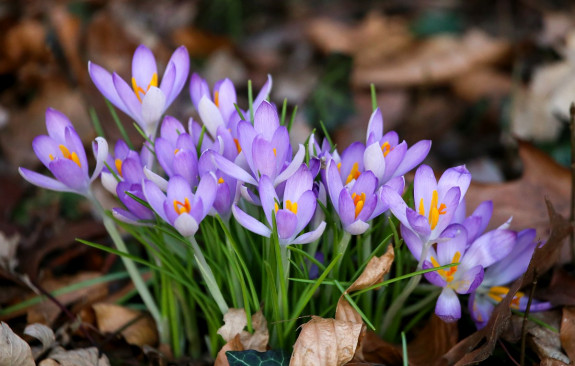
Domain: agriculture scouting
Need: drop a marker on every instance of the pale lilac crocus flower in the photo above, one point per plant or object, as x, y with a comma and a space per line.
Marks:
498, 277
180, 207
464, 278
291, 216
146, 98
436, 203
62, 152
358, 201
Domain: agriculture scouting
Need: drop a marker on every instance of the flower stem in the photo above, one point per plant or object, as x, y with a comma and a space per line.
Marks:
208, 276
341, 248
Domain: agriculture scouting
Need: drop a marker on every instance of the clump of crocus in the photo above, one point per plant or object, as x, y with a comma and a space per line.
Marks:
146, 98
62, 152
498, 277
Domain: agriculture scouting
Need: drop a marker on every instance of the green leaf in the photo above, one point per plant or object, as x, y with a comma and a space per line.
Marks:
255, 358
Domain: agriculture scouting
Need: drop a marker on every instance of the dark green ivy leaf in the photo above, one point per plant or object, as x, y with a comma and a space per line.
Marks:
255, 358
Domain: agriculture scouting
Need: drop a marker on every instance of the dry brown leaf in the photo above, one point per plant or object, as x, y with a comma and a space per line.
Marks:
136, 327
552, 362
436, 60
14, 350
546, 344
69, 34
198, 42
432, 342
561, 289
471, 350
24, 42
8, 246
78, 357
372, 349
42, 333
373, 273
524, 199
482, 83
326, 342
567, 332
232, 345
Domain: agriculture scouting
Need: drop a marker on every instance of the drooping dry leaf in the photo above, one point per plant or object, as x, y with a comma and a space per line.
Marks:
42, 333
373, 273
546, 344
432, 342
372, 349
567, 332
561, 289
13, 349
136, 327
469, 351
434, 61
524, 199
326, 342
237, 338
78, 357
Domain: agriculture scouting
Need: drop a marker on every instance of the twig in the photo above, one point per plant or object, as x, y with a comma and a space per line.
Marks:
572, 215
525, 316
507, 351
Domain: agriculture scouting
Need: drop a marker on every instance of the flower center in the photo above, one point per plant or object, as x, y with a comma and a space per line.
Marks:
139, 90
118, 164
217, 98
70, 156
497, 293
386, 148
434, 211
238, 147
358, 201
354, 174
288, 205
448, 273
181, 208
221, 180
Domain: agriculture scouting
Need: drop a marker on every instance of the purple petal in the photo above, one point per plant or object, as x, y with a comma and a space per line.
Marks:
171, 129
418, 223
305, 209
396, 204
44, 181
414, 156
227, 99
311, 235
153, 106
230, 168
374, 161
454, 177
266, 120
433, 277
181, 61
365, 183
353, 154
75, 145
457, 242
105, 84
69, 173
264, 158
186, 224
165, 154
206, 192
480, 309
281, 142
393, 159
467, 280
346, 208
424, 184
412, 240
246, 136
210, 115
286, 223
156, 198
198, 88
489, 248
250, 223
185, 164
375, 127
129, 100
44, 147
448, 307
101, 149
143, 66
167, 84
301, 181
268, 196
263, 94
159, 181
56, 124
292, 167
357, 227
451, 201
334, 184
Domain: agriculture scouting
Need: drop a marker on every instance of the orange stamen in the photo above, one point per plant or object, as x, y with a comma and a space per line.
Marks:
118, 164
358, 201
354, 174
180, 207
138, 89
386, 148
238, 147
71, 156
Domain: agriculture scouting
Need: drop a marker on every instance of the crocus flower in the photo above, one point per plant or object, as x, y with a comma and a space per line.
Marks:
147, 98
436, 203
498, 276
357, 202
134, 212
62, 152
181, 208
292, 215
453, 247
132, 173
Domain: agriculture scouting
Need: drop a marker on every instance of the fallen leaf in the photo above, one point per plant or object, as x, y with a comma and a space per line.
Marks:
8, 247
434, 61
524, 198
561, 289
373, 273
483, 82
471, 350
14, 350
136, 327
199, 42
326, 342
372, 349
546, 344
78, 357
567, 332
251, 357
432, 342
42, 333
233, 344
68, 30
552, 362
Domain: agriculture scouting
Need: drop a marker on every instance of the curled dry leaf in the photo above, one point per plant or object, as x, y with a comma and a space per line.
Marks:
239, 339
546, 344
431, 343
136, 327
434, 61
567, 333
542, 179
13, 349
469, 351
79, 357
42, 333
326, 342
373, 273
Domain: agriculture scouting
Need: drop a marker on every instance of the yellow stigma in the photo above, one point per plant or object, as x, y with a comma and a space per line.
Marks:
339, 166
275, 152
180, 207
354, 174
238, 147
448, 273
358, 201
386, 148
291, 206
497, 293
434, 211
118, 164
70, 156
176, 151
138, 89
221, 180
276, 207
217, 98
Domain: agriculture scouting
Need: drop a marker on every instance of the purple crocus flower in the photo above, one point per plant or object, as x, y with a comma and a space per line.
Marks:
134, 212
498, 276
181, 208
62, 152
357, 202
436, 203
266, 150
147, 98
227, 187
292, 215
132, 173
453, 247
